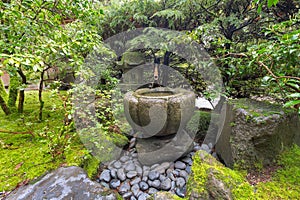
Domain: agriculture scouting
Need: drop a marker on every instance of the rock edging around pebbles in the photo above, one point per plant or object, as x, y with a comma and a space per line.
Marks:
64, 184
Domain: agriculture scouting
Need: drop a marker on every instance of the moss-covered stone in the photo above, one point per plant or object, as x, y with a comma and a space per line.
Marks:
199, 123
254, 133
212, 180
130, 59
91, 166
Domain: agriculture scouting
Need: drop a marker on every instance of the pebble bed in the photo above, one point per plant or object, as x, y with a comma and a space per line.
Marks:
134, 181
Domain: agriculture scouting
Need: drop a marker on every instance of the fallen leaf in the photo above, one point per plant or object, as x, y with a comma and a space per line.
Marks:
19, 165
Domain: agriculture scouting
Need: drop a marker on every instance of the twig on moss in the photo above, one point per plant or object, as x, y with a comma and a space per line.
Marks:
14, 132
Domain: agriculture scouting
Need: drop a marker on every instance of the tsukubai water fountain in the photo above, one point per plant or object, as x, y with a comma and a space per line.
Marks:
158, 117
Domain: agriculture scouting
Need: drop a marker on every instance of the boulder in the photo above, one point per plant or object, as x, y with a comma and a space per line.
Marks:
63, 184
255, 132
210, 179
164, 148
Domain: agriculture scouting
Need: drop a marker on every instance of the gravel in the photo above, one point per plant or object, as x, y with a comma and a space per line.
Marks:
137, 182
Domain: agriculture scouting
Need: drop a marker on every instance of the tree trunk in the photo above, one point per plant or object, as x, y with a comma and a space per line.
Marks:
13, 91
40, 95
22, 92
21, 101
2, 90
4, 107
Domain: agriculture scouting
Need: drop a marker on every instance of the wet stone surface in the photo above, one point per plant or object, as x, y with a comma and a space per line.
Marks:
136, 181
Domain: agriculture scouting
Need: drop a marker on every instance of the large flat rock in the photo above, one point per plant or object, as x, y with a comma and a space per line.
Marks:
255, 132
63, 184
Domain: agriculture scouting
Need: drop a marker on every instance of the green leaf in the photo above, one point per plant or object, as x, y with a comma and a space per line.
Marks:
35, 67
294, 95
291, 103
259, 8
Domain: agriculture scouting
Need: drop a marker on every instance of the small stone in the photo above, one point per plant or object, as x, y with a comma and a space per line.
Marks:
124, 158
183, 174
152, 191
180, 192
143, 185
114, 183
138, 194
135, 189
188, 169
214, 154
104, 184
121, 174
113, 173
205, 147
146, 168
132, 143
154, 166
162, 167
166, 184
133, 198
173, 185
149, 182
197, 148
156, 184
172, 165
143, 196
134, 155
130, 167
191, 154
169, 171
124, 188
135, 181
176, 173
146, 173
171, 176
117, 164
105, 176
131, 174
153, 175
145, 178
127, 195
111, 164
180, 182
180, 165
210, 145
162, 178
139, 170
187, 160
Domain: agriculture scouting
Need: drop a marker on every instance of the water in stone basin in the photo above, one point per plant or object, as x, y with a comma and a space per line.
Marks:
135, 181
158, 93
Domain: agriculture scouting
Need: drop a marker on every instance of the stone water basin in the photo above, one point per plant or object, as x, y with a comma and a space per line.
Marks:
159, 111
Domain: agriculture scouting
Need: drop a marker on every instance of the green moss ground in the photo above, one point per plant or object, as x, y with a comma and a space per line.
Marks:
24, 156
284, 184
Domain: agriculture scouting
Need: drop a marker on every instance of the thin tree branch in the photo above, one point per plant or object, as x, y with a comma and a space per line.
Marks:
273, 75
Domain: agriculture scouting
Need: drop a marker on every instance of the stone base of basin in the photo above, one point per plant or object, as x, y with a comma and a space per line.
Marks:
164, 148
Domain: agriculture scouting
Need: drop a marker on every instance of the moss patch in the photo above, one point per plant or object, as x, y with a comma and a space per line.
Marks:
285, 183
25, 157
199, 124
260, 108
204, 164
